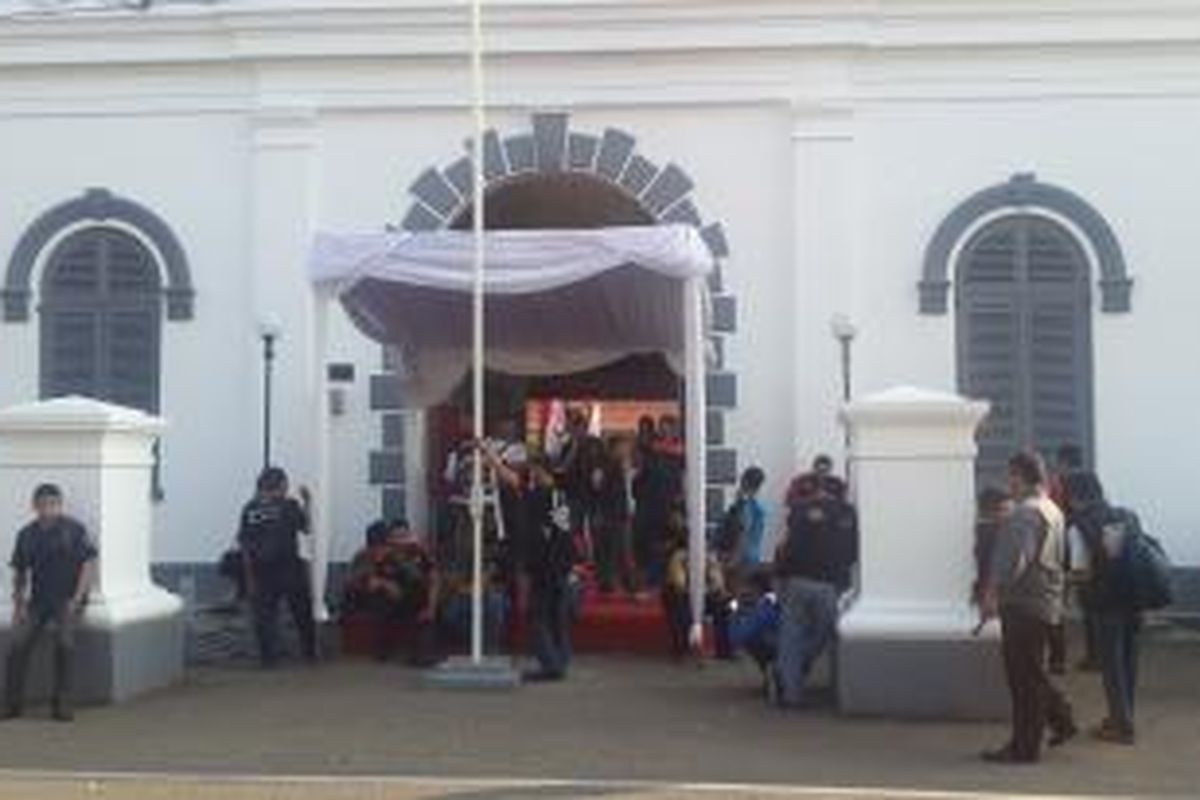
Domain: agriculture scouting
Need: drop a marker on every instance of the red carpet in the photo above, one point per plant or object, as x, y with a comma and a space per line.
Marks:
612, 623
618, 623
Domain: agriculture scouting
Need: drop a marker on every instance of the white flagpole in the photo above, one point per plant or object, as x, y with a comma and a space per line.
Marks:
477, 322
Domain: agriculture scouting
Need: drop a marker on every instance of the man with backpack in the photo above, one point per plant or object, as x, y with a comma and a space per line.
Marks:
1125, 573
815, 566
1024, 588
740, 534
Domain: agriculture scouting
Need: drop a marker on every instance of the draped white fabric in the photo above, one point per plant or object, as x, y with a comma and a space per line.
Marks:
518, 261
559, 301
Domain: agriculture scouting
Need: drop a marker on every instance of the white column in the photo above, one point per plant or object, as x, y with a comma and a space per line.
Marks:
906, 645
827, 196
322, 509
101, 457
416, 470
284, 198
696, 473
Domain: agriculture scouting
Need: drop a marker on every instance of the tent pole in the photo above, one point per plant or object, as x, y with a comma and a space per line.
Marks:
477, 322
696, 406
321, 519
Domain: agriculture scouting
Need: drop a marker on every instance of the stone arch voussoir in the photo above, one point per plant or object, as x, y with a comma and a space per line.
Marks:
99, 206
1026, 191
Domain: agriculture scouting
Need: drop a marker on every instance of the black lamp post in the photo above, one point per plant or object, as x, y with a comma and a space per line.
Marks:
269, 333
844, 331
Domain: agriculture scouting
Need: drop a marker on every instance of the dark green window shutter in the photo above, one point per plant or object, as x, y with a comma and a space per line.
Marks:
989, 342
101, 318
70, 360
131, 338
1024, 338
1059, 340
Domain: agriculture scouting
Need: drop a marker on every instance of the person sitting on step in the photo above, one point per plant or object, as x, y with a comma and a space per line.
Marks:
394, 582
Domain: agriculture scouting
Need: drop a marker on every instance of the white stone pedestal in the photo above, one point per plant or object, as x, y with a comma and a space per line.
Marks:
906, 646
101, 455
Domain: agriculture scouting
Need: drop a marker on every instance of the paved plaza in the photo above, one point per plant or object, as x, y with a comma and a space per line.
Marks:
620, 728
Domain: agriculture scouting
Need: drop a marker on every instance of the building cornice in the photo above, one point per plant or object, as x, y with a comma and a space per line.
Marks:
260, 30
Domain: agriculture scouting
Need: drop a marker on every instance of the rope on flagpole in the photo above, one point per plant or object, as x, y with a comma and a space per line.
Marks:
477, 322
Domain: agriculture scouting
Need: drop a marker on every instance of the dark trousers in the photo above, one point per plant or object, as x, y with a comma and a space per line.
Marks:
390, 619
648, 530
1117, 635
25, 638
274, 583
719, 610
679, 620
1036, 702
1057, 646
611, 538
1091, 634
550, 623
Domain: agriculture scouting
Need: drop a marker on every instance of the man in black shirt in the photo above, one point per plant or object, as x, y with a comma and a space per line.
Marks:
267, 533
550, 558
55, 550
547, 555
815, 566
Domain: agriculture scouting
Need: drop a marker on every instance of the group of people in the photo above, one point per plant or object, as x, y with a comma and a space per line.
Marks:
1044, 536
622, 504
619, 492
782, 610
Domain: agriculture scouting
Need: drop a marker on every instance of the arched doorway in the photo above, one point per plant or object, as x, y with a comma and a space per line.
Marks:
558, 179
541, 177
565, 200
562, 200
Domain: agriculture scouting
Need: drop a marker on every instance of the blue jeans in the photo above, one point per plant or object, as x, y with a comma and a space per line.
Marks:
808, 622
1117, 646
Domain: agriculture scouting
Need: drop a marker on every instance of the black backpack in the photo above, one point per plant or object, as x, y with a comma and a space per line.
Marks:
1142, 568
731, 529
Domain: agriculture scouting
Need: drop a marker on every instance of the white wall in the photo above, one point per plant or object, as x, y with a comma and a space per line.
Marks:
1131, 159
829, 167
190, 171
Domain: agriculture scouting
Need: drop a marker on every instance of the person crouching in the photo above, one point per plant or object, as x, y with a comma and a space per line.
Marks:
394, 583
676, 594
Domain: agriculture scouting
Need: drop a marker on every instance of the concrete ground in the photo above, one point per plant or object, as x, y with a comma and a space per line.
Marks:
619, 728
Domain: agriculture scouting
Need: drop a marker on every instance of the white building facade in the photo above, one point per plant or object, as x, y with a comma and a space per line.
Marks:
996, 194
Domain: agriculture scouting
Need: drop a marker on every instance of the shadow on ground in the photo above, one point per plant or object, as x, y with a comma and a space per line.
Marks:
615, 719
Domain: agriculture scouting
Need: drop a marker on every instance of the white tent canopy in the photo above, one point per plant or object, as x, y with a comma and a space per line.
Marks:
557, 302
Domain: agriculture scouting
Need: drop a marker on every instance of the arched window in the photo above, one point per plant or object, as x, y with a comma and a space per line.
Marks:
1024, 337
101, 318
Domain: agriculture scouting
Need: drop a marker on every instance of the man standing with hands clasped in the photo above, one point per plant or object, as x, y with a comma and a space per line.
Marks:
56, 552
1024, 588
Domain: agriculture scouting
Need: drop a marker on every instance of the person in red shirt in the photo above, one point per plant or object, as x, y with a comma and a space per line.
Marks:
805, 485
394, 581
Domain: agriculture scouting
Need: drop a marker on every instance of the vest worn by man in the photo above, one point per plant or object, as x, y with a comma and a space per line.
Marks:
822, 542
1027, 564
